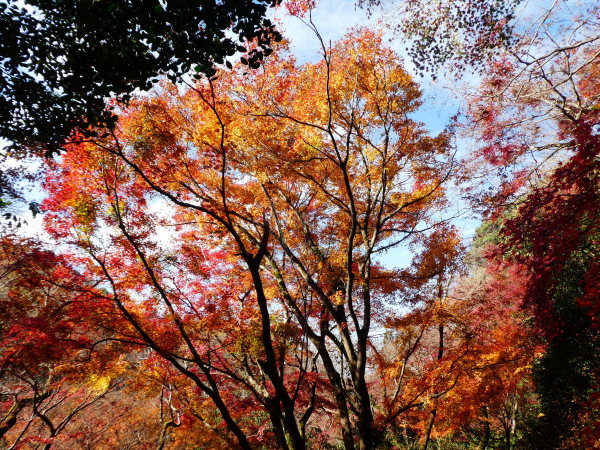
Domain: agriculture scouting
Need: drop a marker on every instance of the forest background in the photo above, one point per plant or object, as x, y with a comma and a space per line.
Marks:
280, 253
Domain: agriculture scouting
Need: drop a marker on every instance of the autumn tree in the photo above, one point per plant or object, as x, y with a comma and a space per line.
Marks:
534, 119
67, 379
49, 377
460, 361
62, 62
279, 189
537, 116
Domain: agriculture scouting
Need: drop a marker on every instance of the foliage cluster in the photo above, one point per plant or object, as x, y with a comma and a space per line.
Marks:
217, 278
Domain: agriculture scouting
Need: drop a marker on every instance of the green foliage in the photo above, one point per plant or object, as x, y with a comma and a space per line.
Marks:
60, 61
565, 376
567, 373
486, 235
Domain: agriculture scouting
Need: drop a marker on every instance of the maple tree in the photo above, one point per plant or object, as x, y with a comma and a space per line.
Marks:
290, 181
537, 116
47, 376
66, 379
462, 357
60, 63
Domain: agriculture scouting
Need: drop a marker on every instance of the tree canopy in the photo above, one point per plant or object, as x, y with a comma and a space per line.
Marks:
61, 61
274, 255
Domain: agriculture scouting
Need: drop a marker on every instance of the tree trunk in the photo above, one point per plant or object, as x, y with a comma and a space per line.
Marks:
164, 434
275, 416
485, 442
365, 419
427, 436
269, 366
431, 422
510, 431
340, 398
11, 417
